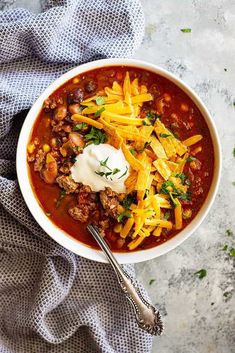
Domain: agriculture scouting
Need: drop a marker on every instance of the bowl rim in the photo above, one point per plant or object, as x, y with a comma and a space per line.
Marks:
61, 236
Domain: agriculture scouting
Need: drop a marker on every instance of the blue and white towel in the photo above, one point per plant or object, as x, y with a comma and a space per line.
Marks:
50, 299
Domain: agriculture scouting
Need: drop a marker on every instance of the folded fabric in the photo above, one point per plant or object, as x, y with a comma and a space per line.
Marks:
52, 300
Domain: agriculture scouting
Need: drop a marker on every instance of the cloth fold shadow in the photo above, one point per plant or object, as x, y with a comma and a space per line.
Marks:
52, 300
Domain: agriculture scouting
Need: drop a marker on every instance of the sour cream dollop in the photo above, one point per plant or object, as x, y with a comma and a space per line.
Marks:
101, 166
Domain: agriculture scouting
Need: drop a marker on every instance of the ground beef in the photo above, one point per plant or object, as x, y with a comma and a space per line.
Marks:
198, 191
66, 183
195, 165
90, 86
57, 126
39, 160
66, 166
51, 103
30, 158
79, 214
85, 188
104, 224
110, 202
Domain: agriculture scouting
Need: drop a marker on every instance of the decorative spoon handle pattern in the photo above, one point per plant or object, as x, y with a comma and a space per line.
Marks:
147, 316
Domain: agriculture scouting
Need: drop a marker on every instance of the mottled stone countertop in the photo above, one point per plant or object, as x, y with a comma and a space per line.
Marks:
199, 314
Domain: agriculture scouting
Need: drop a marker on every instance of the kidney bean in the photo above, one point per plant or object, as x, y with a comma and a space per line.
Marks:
67, 128
74, 108
49, 172
75, 96
76, 139
60, 112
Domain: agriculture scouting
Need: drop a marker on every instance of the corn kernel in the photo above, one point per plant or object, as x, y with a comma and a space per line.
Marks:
187, 213
46, 148
49, 158
76, 80
184, 107
53, 142
31, 148
117, 228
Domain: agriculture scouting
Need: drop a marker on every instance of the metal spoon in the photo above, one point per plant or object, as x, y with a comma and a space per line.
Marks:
147, 317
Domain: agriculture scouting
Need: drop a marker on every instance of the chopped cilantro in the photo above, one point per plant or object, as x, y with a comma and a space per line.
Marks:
61, 196
234, 149
168, 188
133, 151
174, 203
153, 117
234, 104
167, 215
116, 170
165, 135
123, 215
79, 148
98, 112
111, 171
233, 183
225, 69
232, 252
145, 123
184, 196
80, 126
165, 187
151, 281
227, 294
190, 159
96, 136
201, 273
148, 143
99, 100
123, 173
100, 173
186, 30
182, 177
128, 201
229, 232
104, 163
225, 248
104, 174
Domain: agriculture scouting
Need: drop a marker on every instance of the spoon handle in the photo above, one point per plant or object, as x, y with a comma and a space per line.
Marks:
147, 317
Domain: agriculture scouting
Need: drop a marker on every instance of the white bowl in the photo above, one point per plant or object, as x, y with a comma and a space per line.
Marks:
62, 237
